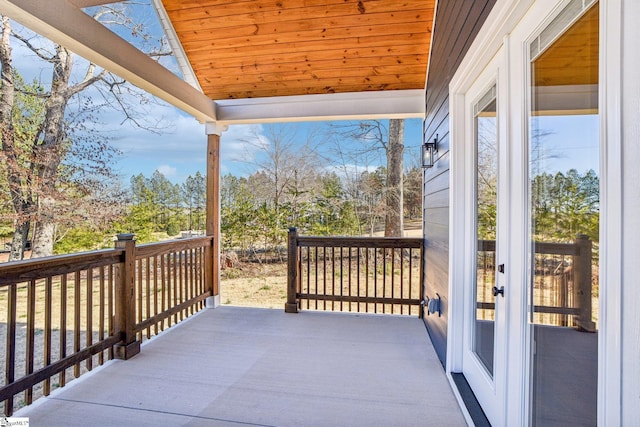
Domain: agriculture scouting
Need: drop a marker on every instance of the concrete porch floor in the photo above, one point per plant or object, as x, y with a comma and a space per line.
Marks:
235, 366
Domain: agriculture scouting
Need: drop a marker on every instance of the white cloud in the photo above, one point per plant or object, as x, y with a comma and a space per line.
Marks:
167, 170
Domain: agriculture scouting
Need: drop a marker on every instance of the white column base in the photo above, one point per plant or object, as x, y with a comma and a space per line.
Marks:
212, 302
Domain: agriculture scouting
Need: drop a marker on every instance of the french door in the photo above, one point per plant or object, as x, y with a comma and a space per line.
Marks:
486, 290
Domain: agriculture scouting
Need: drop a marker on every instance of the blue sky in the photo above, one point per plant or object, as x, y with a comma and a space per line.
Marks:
180, 151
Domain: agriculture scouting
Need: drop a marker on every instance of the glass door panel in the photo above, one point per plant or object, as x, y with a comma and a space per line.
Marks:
564, 218
486, 190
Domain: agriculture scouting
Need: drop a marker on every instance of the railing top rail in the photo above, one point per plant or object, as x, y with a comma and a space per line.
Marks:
556, 248
361, 242
32, 269
151, 249
549, 248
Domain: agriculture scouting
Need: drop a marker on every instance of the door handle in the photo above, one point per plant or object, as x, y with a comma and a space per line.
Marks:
497, 291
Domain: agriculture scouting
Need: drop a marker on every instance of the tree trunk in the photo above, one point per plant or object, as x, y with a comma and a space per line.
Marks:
21, 205
51, 152
19, 241
44, 235
394, 204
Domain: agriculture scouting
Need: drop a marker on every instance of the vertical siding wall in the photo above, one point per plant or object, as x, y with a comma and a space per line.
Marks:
456, 25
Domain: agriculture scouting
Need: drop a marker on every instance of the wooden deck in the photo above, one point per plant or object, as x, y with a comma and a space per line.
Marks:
245, 366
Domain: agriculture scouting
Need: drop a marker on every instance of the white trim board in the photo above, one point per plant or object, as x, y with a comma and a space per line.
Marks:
336, 106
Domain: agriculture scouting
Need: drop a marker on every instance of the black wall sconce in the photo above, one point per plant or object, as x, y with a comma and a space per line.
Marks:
429, 150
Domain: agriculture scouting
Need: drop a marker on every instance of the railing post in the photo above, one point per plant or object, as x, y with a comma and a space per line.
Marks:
125, 303
292, 274
582, 283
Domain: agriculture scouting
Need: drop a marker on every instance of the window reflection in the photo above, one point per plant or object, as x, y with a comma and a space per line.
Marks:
564, 210
486, 141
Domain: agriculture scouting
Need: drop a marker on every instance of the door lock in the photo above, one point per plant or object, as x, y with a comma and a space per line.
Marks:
497, 291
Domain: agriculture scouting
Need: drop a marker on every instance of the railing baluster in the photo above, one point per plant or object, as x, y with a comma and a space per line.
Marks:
349, 269
410, 277
315, 263
401, 279
393, 275
384, 277
199, 254
341, 276
63, 325
111, 308
101, 326
298, 274
324, 275
76, 320
358, 277
10, 351
89, 322
164, 287
138, 287
48, 302
148, 292
333, 275
155, 292
175, 285
366, 276
180, 282
375, 279
308, 274
190, 279
31, 323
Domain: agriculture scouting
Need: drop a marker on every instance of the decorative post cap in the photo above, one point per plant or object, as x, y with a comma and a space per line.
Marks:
125, 236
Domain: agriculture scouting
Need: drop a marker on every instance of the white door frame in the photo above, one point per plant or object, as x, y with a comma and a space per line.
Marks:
495, 33
489, 389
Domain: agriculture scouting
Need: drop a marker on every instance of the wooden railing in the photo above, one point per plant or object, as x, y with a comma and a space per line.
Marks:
562, 291
60, 311
362, 274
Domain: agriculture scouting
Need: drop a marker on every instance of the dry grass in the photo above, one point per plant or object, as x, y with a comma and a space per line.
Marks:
251, 284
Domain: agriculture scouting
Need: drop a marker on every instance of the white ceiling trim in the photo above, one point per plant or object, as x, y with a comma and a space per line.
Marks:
395, 104
176, 47
64, 23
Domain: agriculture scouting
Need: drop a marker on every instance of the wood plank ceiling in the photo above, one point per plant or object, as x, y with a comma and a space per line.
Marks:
265, 48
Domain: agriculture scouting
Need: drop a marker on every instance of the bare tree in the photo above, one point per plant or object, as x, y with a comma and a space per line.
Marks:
289, 165
373, 135
36, 169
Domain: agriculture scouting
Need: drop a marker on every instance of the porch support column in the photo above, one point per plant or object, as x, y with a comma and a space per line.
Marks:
214, 131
